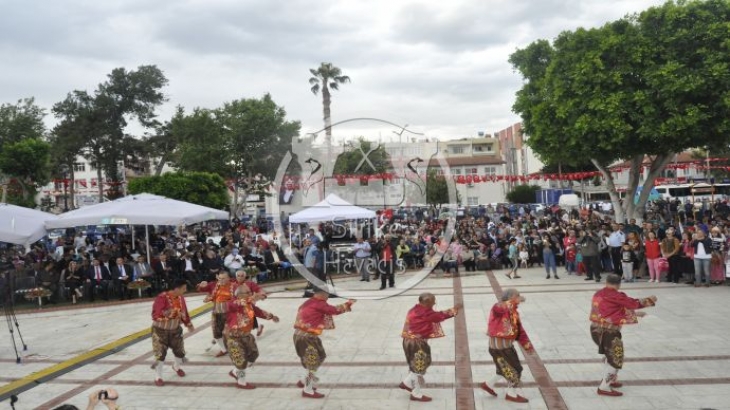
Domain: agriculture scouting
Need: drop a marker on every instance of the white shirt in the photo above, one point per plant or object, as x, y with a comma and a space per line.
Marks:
233, 261
616, 239
362, 250
701, 253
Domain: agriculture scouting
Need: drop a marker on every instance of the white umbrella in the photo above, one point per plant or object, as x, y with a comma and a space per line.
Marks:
22, 226
141, 209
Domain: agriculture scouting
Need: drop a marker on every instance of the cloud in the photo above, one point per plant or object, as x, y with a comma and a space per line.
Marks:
441, 66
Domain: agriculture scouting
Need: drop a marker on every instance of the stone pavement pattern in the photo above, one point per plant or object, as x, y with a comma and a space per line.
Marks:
677, 357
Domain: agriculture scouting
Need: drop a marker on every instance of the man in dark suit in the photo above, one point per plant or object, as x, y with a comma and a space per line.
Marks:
163, 269
97, 276
275, 259
188, 268
122, 276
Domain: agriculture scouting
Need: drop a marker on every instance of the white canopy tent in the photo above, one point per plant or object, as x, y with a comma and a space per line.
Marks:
141, 209
332, 207
22, 226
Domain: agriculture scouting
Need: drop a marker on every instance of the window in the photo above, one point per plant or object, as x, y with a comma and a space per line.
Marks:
483, 148
456, 149
470, 171
472, 200
456, 171
490, 170
79, 167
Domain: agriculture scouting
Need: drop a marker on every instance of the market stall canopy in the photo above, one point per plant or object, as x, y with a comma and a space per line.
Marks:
141, 209
22, 226
569, 201
333, 207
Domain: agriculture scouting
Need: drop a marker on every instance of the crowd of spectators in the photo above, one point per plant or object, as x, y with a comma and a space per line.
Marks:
689, 246
83, 267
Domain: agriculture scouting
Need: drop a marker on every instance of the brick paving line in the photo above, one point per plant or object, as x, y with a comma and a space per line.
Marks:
464, 378
549, 390
399, 363
366, 386
58, 400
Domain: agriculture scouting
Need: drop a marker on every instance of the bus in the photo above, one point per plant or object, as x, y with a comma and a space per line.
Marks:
693, 192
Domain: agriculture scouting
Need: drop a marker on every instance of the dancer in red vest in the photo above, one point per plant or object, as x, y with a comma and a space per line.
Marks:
610, 310
422, 323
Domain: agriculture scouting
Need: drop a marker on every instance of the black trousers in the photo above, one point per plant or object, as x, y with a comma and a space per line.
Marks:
675, 269
386, 273
593, 266
616, 259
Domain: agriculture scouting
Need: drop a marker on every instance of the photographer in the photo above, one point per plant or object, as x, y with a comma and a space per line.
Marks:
109, 397
589, 249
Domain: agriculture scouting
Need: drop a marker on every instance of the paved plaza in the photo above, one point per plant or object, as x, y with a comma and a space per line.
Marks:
678, 357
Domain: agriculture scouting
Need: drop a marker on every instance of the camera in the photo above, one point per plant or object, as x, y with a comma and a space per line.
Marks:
103, 395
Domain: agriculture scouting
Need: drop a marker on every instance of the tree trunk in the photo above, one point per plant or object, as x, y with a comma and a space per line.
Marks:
655, 169
326, 101
234, 208
635, 171
71, 189
100, 182
615, 199
160, 165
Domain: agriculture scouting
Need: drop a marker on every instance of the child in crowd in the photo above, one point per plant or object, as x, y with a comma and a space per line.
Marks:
570, 256
524, 255
628, 257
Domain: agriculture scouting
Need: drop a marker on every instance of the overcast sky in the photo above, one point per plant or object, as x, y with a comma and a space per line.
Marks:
440, 66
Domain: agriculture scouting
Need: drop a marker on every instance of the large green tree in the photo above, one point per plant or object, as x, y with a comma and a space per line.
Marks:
651, 84
523, 194
101, 117
247, 138
437, 189
357, 159
26, 163
200, 188
24, 154
24, 119
326, 77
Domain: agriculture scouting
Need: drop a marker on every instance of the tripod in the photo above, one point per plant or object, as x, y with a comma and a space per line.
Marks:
8, 306
309, 290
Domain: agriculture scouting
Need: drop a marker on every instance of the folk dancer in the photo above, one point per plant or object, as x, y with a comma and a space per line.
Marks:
239, 340
610, 310
220, 293
255, 289
313, 317
422, 323
504, 328
168, 311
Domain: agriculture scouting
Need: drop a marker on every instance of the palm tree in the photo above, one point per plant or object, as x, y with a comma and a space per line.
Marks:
325, 77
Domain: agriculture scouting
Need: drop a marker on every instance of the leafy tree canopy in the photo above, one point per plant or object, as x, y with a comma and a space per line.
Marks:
200, 188
245, 137
22, 120
523, 194
648, 84
352, 160
437, 189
